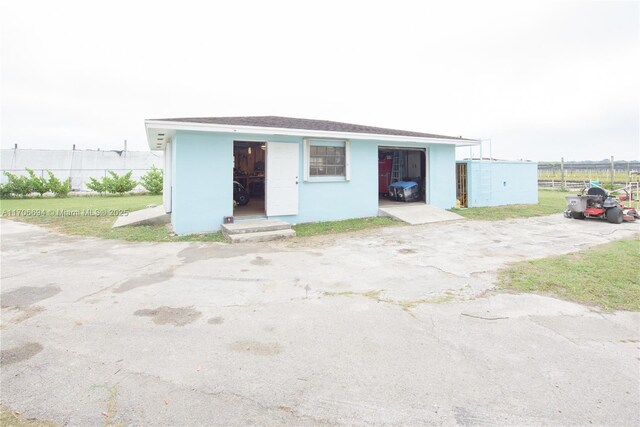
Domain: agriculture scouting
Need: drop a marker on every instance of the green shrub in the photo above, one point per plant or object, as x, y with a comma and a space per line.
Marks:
18, 185
119, 183
5, 191
39, 184
57, 187
97, 186
152, 181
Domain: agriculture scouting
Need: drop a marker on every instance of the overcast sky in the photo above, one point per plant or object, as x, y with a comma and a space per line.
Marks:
540, 79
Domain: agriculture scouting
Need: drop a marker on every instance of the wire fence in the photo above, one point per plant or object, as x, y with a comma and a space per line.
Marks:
572, 175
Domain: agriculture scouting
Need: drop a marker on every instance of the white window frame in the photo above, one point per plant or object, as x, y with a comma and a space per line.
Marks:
308, 142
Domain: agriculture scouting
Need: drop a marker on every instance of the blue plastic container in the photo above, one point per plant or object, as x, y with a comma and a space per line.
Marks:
404, 191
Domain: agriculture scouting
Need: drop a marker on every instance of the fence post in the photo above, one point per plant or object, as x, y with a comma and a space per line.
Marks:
562, 177
612, 172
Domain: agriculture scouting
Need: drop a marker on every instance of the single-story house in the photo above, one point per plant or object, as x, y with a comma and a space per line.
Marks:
295, 170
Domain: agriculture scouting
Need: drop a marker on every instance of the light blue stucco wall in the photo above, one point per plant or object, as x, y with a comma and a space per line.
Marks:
442, 176
203, 171
202, 181
357, 198
501, 183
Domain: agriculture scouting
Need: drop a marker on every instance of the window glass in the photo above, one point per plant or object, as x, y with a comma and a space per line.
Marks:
326, 161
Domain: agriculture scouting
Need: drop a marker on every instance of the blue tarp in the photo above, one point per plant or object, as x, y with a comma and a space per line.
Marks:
403, 184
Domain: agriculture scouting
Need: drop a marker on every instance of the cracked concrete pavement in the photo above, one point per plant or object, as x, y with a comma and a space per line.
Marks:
388, 326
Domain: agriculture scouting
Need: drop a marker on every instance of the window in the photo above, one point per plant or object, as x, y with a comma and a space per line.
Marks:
326, 160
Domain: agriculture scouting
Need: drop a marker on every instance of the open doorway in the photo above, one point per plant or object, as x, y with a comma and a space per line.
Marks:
462, 192
249, 168
402, 176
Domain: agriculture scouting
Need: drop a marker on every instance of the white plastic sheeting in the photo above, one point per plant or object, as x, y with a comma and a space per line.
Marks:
79, 165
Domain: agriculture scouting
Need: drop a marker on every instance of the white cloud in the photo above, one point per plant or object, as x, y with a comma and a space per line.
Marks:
541, 79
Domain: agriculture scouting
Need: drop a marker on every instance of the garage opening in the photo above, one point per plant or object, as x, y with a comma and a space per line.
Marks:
402, 176
248, 178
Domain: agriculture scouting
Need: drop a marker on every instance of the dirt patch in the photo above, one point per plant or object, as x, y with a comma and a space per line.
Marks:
15, 419
27, 313
286, 409
216, 320
256, 348
18, 354
112, 405
164, 315
260, 261
27, 295
149, 279
407, 251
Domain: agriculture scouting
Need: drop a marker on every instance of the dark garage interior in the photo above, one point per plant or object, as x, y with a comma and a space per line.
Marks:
401, 175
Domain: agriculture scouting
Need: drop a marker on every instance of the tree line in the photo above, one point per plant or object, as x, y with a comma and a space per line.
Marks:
26, 185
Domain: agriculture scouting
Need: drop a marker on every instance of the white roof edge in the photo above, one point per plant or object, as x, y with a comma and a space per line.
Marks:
212, 127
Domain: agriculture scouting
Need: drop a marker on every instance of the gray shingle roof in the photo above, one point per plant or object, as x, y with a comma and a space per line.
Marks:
306, 124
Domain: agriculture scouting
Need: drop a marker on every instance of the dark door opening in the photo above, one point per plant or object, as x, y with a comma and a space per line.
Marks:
402, 175
462, 192
249, 178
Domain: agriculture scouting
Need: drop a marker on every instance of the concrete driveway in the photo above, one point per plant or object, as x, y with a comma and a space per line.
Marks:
389, 326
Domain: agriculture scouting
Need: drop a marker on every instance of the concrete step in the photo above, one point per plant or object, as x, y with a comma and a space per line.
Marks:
261, 236
255, 226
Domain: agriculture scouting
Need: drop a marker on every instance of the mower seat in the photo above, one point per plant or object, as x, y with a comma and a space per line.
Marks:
597, 191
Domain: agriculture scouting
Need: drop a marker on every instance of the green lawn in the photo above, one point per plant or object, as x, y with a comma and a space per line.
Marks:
11, 418
55, 213
333, 227
606, 276
549, 202
130, 202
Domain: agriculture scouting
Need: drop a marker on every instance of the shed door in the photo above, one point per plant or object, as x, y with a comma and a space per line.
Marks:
282, 178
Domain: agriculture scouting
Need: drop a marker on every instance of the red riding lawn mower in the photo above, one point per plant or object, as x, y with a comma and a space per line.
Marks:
598, 204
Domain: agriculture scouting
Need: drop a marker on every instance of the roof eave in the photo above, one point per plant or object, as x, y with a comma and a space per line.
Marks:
171, 127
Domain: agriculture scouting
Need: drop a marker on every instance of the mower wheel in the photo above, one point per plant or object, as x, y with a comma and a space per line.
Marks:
577, 215
615, 215
242, 199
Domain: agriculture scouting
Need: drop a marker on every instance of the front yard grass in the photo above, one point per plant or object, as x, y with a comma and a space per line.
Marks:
95, 218
549, 202
57, 214
333, 227
606, 276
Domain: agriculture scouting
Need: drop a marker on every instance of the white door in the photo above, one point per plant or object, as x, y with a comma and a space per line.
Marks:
282, 178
